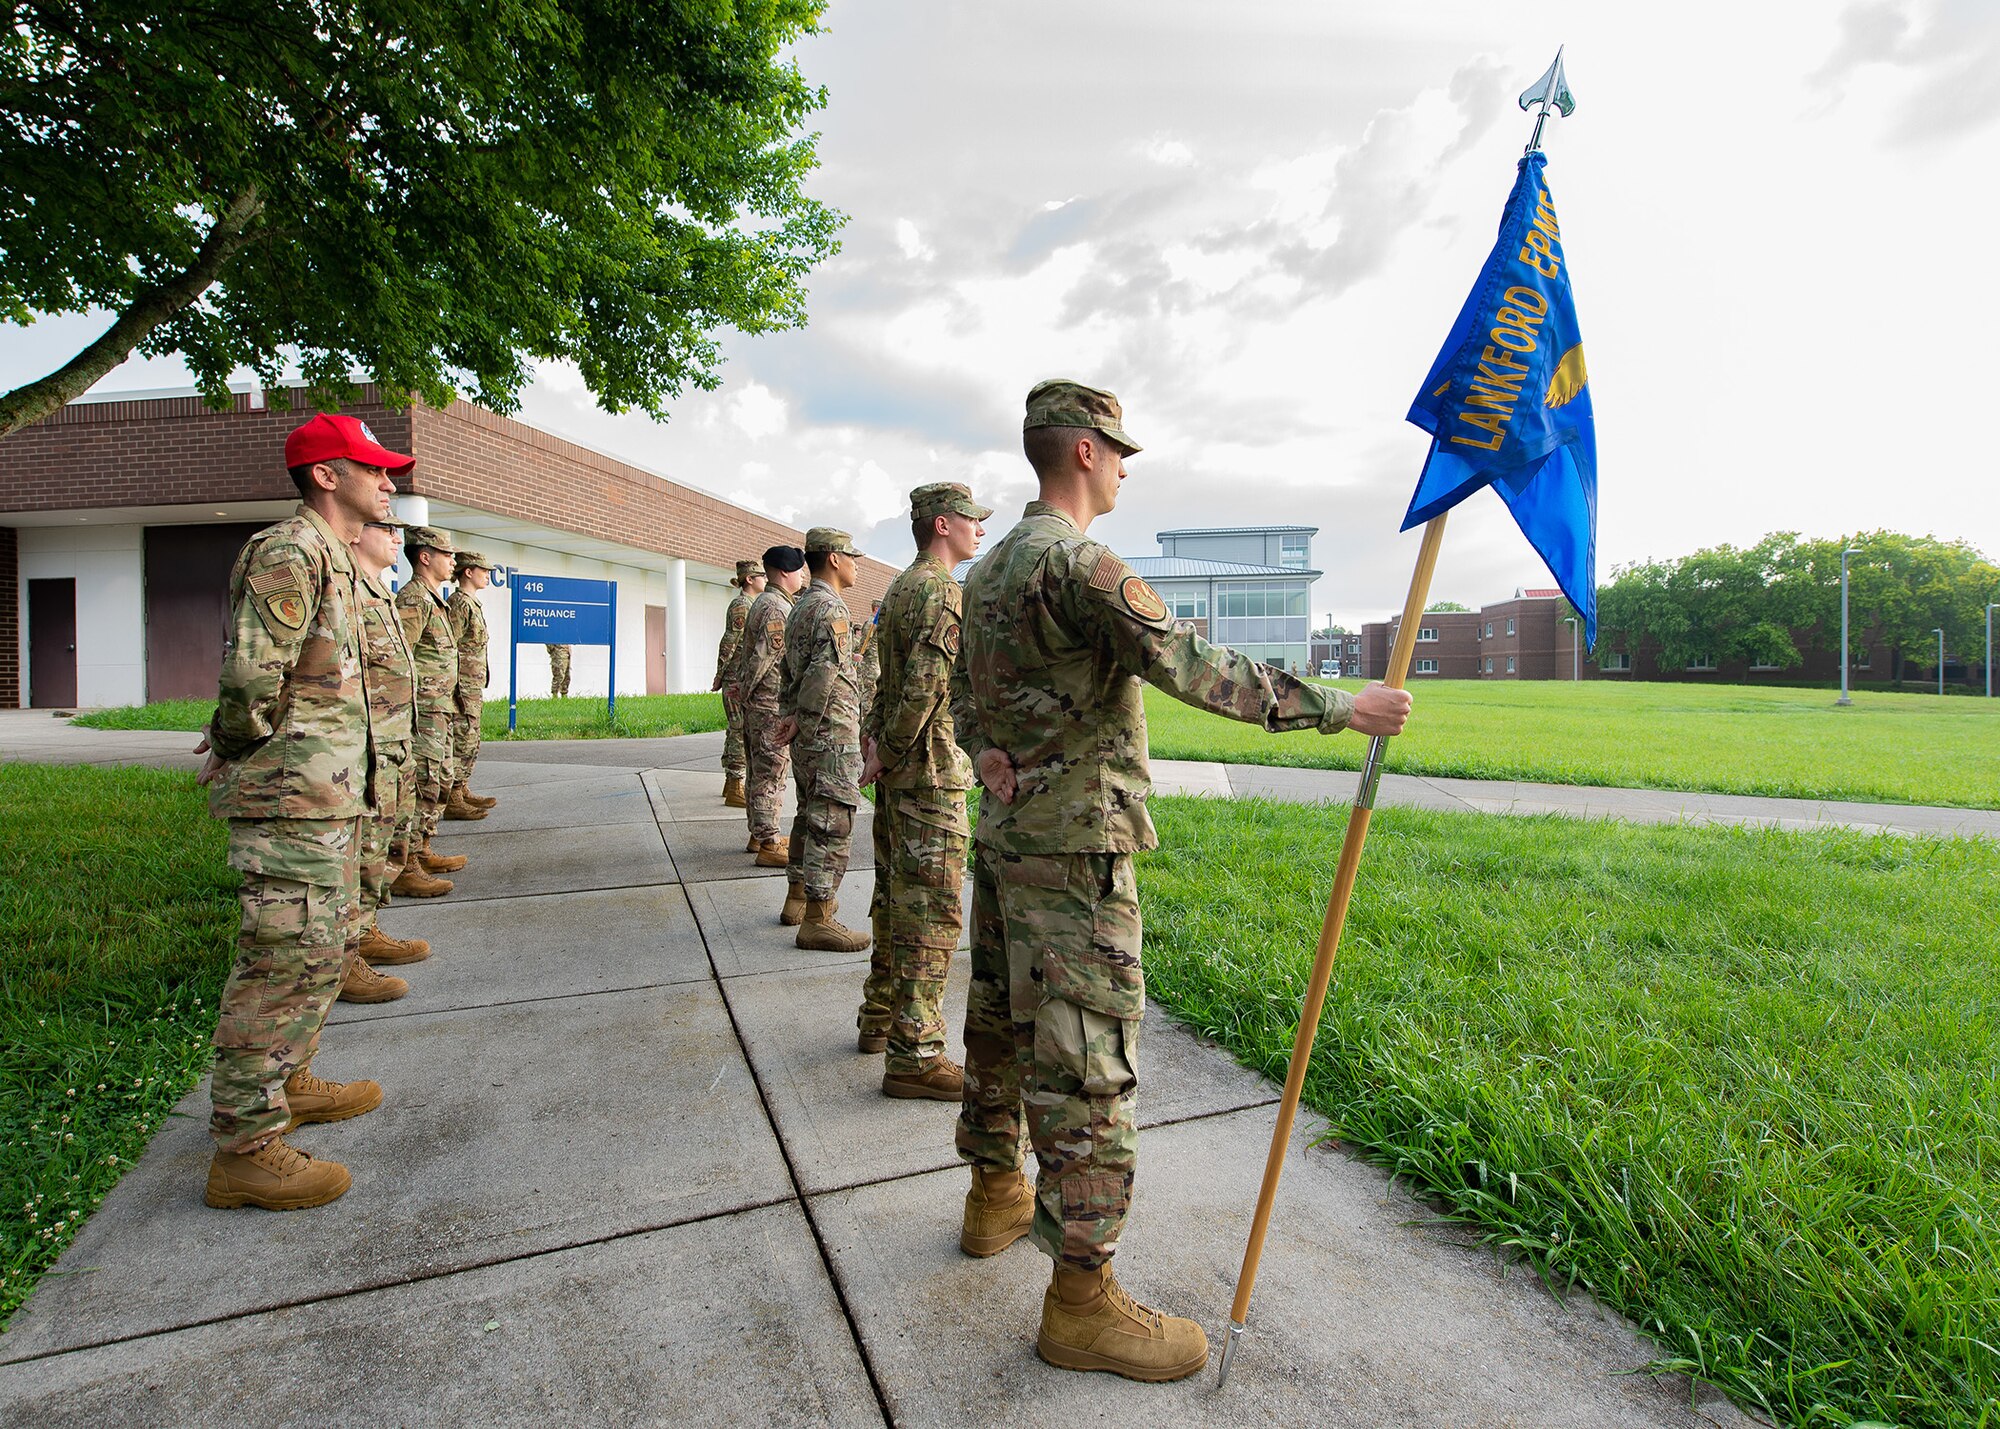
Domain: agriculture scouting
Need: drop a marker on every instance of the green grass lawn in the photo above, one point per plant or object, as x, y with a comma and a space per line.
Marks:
1739, 1083
117, 927
639, 717
1738, 739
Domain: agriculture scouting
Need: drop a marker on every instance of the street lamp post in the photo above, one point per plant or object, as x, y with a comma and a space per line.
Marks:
1940, 636
1575, 658
1850, 551
1989, 648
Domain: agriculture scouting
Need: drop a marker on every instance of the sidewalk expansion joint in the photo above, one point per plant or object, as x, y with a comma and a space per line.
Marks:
833, 1276
417, 1278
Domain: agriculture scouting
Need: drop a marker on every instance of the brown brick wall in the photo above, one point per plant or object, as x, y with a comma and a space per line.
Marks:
175, 451
10, 618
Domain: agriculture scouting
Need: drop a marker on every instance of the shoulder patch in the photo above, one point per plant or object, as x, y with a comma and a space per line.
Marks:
774, 633
839, 630
948, 640
283, 609
275, 579
1104, 576
737, 616
1142, 600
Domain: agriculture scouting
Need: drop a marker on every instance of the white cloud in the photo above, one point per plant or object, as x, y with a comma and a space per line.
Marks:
757, 411
1169, 153
911, 242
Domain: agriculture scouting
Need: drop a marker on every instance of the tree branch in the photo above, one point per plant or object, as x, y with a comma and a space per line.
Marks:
151, 306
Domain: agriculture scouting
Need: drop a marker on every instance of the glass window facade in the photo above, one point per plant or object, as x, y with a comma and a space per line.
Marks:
1293, 552
1258, 613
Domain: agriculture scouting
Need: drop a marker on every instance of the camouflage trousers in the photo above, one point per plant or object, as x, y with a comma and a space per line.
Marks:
732, 741
823, 829
767, 764
384, 840
430, 785
298, 895
465, 742
920, 844
559, 671
1052, 1039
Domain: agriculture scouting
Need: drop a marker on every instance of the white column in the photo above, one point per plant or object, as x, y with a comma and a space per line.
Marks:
677, 626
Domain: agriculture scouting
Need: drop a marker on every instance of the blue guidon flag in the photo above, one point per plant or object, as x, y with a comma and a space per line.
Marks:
1507, 402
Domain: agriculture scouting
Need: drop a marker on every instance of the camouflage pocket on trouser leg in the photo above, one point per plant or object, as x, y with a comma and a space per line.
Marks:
997, 1052
1086, 1134
291, 954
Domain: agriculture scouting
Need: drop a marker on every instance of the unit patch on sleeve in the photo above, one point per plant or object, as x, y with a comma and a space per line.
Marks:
774, 636
1142, 600
280, 600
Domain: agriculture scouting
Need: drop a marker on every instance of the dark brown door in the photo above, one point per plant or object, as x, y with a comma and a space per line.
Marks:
187, 606
656, 649
52, 643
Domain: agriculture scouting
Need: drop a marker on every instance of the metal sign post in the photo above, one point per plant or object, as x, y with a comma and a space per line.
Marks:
561, 610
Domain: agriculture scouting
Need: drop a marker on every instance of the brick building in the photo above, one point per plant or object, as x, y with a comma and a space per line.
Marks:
1534, 637
120, 518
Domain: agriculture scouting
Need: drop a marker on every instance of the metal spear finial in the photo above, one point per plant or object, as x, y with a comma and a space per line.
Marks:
1551, 90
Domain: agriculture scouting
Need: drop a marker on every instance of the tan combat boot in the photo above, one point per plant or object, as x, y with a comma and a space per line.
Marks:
1089, 1322
456, 807
998, 1211
732, 792
941, 1080
383, 951
439, 862
820, 933
872, 1039
478, 801
364, 984
794, 911
275, 1176
413, 882
774, 853
754, 844
312, 1099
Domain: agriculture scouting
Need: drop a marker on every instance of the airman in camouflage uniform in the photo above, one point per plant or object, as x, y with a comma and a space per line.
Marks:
292, 763
753, 683
392, 696
421, 609
921, 776
749, 581
1059, 635
868, 658
558, 671
468, 632
819, 703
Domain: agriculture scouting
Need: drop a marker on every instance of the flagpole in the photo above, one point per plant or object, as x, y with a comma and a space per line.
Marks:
1548, 98
1329, 936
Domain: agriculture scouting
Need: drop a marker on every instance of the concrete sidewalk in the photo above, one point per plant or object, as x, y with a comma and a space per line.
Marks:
629, 1169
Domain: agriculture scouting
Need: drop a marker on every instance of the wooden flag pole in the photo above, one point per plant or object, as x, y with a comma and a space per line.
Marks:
1329, 937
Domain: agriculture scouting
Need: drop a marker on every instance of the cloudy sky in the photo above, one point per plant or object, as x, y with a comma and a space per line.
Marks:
1255, 223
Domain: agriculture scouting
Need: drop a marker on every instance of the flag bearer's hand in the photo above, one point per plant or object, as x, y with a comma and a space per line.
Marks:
1380, 710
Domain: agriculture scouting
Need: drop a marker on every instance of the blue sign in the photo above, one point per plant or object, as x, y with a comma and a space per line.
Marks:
562, 610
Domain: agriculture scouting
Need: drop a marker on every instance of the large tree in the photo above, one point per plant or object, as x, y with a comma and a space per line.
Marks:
432, 192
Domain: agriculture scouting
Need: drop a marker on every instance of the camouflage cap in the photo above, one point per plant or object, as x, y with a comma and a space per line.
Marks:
824, 539
472, 560
946, 498
747, 571
429, 536
1058, 402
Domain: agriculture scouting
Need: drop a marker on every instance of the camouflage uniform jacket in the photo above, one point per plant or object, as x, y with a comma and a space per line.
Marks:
758, 657
468, 629
392, 671
911, 720
733, 621
428, 634
1059, 633
291, 715
818, 685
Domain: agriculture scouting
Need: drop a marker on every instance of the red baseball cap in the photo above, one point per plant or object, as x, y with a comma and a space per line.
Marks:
334, 434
